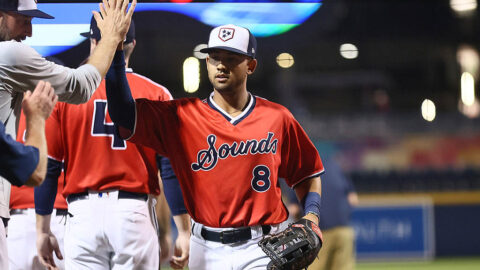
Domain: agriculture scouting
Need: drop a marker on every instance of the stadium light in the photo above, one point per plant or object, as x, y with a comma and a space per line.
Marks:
285, 60
191, 74
428, 110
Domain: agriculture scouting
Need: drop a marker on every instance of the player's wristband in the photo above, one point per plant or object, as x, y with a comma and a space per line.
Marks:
44, 195
311, 203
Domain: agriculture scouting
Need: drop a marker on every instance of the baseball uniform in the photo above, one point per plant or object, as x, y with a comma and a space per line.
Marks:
228, 166
107, 182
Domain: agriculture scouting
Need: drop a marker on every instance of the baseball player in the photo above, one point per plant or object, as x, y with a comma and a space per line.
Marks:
227, 151
21, 68
21, 240
110, 184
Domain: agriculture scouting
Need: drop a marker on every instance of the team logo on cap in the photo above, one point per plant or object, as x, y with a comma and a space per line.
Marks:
226, 33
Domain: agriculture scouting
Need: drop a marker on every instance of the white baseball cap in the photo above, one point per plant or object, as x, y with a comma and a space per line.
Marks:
232, 38
24, 7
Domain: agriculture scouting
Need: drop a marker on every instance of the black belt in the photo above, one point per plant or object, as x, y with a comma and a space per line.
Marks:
59, 212
121, 195
232, 236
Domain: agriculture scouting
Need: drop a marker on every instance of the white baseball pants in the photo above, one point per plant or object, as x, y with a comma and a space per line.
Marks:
105, 232
246, 255
22, 240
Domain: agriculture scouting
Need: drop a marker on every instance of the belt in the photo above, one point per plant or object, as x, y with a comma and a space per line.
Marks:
58, 212
231, 236
121, 195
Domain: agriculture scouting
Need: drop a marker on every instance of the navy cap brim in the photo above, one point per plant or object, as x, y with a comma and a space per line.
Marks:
207, 50
85, 34
35, 13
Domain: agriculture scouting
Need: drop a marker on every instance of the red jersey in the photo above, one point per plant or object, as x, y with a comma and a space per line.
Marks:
228, 168
95, 157
22, 197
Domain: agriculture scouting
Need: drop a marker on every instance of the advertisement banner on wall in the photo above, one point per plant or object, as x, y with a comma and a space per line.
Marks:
394, 229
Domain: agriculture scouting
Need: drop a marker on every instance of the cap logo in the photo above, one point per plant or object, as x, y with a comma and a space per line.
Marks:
225, 34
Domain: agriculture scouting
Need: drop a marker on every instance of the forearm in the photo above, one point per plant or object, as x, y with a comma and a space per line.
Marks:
43, 223
309, 194
102, 56
121, 105
182, 222
35, 136
163, 216
171, 187
44, 195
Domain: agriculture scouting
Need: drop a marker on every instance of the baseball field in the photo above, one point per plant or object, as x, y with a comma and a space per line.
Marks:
467, 263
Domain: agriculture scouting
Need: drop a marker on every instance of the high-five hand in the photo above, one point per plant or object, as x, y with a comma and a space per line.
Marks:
114, 19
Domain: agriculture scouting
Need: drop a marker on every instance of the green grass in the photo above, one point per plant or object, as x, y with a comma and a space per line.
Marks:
438, 264
458, 263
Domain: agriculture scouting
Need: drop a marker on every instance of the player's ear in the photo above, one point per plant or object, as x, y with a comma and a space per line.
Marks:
252, 65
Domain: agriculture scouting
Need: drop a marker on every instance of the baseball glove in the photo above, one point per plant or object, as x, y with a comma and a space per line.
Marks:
294, 248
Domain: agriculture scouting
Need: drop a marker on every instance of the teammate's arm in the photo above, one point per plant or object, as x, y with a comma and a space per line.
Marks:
44, 197
37, 106
121, 105
173, 195
164, 227
181, 251
308, 193
46, 242
45, 194
113, 23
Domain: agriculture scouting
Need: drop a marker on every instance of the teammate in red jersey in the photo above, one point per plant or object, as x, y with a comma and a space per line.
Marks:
227, 151
109, 184
22, 251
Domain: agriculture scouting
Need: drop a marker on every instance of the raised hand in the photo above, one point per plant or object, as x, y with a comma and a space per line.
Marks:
114, 19
40, 102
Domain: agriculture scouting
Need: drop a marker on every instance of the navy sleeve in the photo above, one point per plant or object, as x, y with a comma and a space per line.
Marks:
17, 161
171, 187
45, 194
121, 105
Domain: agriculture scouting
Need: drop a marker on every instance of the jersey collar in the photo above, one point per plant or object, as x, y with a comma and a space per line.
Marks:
237, 119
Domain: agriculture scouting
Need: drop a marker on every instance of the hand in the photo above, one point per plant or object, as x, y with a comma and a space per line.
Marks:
313, 218
114, 20
165, 244
181, 251
46, 245
40, 103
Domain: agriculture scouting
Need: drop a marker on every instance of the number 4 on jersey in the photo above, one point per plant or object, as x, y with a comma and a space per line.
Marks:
101, 128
